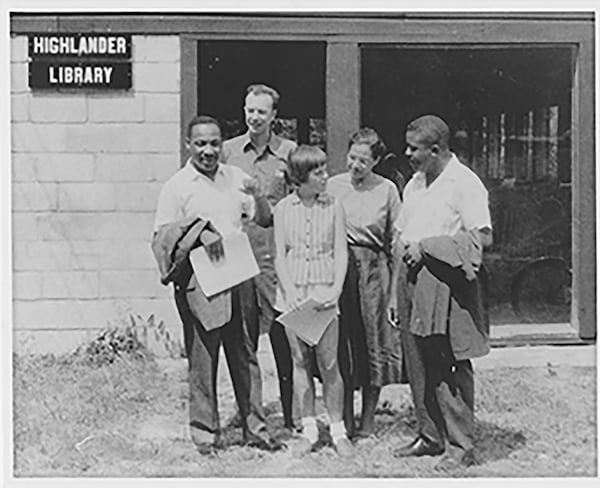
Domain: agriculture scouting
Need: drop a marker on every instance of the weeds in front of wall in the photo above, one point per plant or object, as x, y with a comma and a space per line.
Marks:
139, 339
155, 336
68, 407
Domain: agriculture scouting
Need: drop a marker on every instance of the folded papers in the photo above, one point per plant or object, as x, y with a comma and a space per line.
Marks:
308, 322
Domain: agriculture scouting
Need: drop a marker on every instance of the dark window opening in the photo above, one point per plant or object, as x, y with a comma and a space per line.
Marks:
295, 69
510, 112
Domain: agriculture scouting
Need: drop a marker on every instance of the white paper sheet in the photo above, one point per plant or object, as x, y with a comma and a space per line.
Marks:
308, 322
237, 265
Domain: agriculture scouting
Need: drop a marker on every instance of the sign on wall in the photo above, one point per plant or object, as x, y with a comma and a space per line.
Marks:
79, 61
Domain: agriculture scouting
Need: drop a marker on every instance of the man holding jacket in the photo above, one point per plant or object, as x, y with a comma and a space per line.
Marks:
443, 225
200, 204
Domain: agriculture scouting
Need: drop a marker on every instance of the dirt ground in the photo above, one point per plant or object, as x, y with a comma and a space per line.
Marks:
128, 419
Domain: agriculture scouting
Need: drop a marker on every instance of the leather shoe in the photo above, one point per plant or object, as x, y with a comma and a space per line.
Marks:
419, 447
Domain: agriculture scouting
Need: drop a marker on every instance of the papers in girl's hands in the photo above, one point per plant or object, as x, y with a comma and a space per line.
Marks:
308, 322
237, 265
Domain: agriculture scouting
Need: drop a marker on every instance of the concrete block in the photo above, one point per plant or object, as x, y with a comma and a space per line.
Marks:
61, 314
118, 255
84, 197
82, 255
82, 226
161, 49
23, 167
137, 197
70, 284
162, 307
42, 256
58, 107
166, 166
138, 48
120, 107
18, 49
152, 137
54, 226
65, 167
162, 108
26, 227
51, 341
19, 77
123, 138
130, 283
39, 138
27, 285
19, 107
126, 167
27, 197
156, 77
126, 226
93, 138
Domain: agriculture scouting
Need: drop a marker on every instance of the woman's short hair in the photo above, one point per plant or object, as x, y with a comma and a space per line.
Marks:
369, 137
302, 161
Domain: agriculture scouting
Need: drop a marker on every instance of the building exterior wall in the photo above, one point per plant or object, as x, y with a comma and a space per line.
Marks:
87, 168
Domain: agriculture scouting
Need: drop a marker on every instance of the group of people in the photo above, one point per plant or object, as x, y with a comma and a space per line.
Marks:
403, 273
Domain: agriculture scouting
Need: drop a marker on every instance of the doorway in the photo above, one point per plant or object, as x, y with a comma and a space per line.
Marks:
509, 109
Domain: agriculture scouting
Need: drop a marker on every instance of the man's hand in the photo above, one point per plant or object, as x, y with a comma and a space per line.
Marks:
213, 243
293, 298
412, 254
251, 187
328, 299
392, 312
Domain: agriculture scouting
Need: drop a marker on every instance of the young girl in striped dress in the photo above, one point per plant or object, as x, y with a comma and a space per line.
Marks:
311, 260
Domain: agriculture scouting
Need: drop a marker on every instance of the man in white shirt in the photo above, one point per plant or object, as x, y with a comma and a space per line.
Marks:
443, 198
224, 196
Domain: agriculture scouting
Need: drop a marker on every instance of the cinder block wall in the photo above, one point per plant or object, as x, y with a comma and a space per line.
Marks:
86, 172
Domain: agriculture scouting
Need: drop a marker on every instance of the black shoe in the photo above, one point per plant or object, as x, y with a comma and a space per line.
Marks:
419, 447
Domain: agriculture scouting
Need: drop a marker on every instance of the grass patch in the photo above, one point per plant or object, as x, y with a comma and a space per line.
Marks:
127, 417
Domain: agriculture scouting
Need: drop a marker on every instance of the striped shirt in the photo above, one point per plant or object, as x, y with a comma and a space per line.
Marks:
309, 239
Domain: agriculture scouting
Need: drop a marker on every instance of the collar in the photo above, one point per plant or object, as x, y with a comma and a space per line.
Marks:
273, 146
450, 173
194, 175
323, 199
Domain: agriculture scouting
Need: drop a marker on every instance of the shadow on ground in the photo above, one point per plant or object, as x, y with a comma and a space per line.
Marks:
494, 443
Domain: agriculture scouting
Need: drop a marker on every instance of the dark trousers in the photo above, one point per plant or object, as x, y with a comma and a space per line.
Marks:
442, 390
281, 352
202, 348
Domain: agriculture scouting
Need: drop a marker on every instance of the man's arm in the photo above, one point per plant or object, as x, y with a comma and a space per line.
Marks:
397, 255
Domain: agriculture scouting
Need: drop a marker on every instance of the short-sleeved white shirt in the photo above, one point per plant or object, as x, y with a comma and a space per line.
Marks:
456, 200
189, 193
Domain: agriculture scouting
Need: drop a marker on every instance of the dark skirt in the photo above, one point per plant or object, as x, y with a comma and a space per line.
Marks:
370, 350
